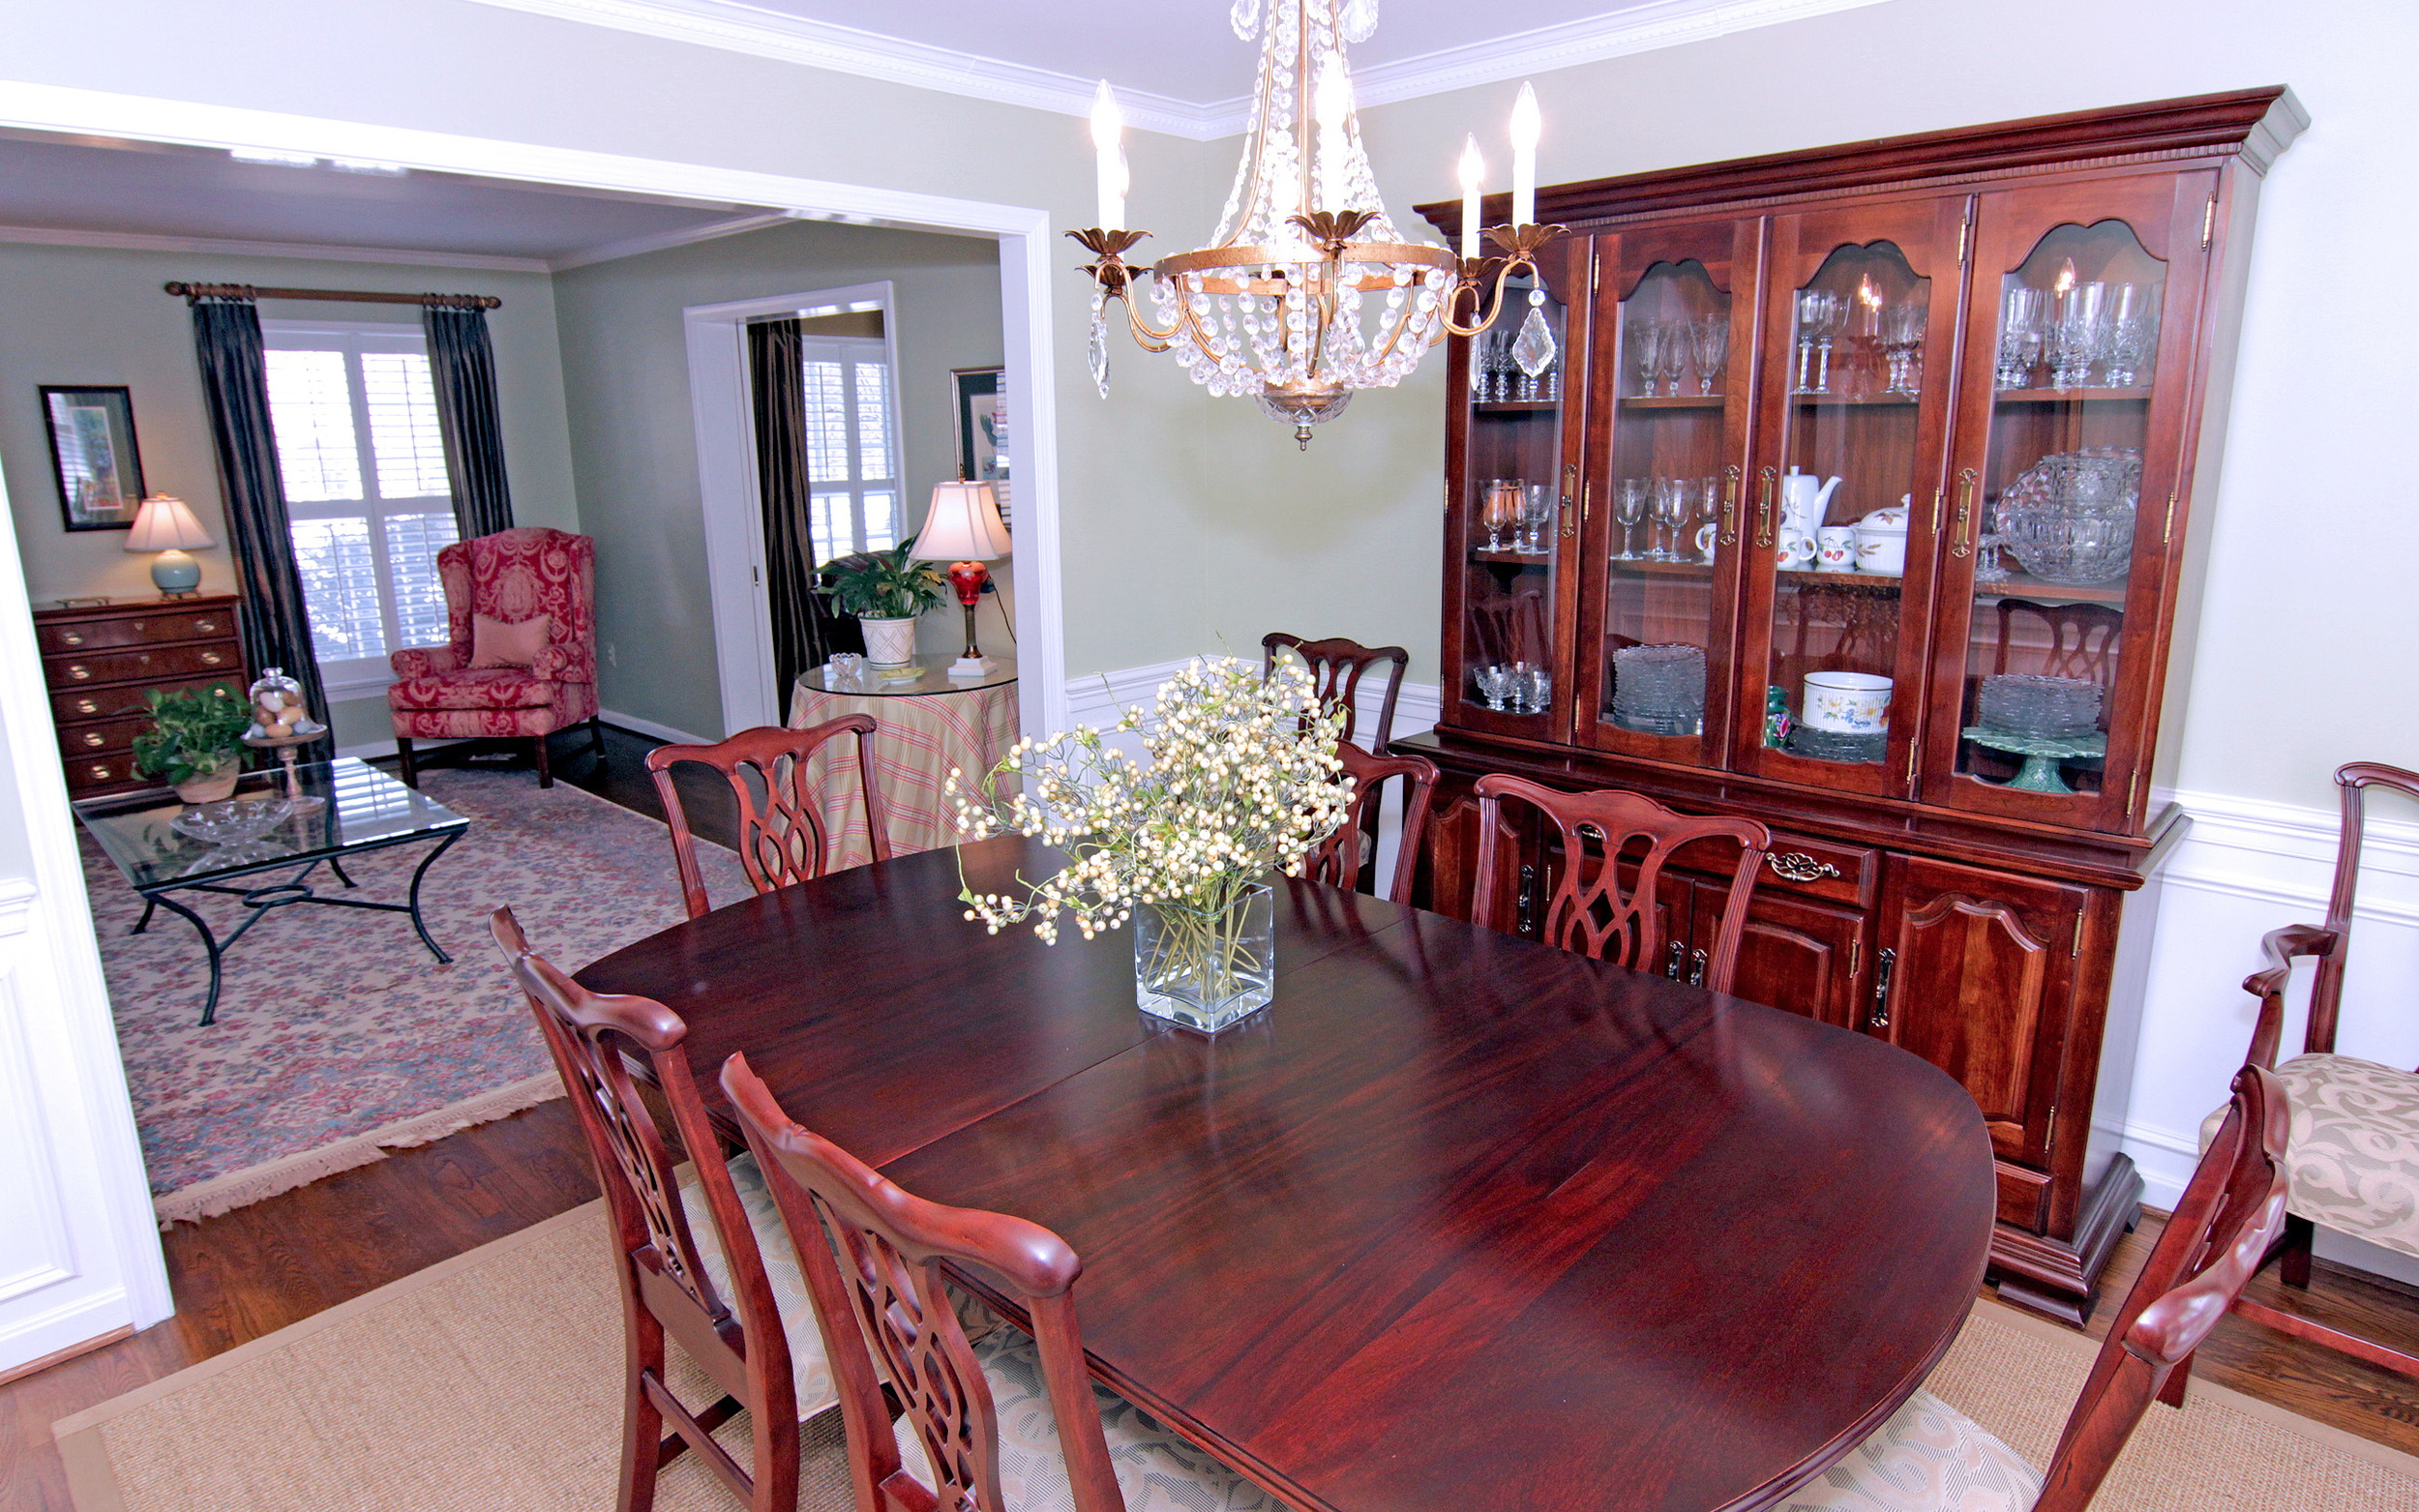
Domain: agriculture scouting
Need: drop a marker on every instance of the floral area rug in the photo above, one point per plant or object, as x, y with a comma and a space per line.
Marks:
339, 1035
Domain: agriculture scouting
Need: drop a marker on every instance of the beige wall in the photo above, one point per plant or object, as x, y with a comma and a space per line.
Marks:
83, 315
626, 378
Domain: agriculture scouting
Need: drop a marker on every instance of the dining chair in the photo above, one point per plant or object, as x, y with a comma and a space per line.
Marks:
1336, 667
697, 1257
1589, 912
1348, 857
781, 816
2355, 1156
1008, 1423
1931, 1458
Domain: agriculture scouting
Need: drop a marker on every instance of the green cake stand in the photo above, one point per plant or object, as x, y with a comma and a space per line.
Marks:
2041, 754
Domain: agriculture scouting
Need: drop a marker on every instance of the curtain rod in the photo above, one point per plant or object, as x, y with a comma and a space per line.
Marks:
195, 291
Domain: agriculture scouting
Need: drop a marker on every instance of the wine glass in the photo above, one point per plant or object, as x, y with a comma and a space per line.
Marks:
1673, 357
1819, 316
1537, 512
1535, 689
1902, 341
1671, 507
2080, 336
1502, 510
1708, 509
1494, 681
1646, 339
2132, 333
1831, 313
1710, 334
2019, 335
1628, 508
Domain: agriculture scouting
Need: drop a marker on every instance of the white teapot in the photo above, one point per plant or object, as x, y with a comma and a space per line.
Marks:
1803, 499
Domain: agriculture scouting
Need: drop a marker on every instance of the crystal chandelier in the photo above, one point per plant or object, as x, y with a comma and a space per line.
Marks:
1306, 292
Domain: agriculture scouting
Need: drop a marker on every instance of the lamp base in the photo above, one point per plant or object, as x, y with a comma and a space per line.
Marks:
971, 666
175, 573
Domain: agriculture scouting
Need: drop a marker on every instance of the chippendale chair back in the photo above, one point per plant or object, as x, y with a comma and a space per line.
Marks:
1336, 667
782, 839
1589, 912
1342, 858
889, 1303
2083, 639
663, 1279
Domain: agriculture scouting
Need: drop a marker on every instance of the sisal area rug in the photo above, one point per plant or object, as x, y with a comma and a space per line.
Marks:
487, 1385
339, 1036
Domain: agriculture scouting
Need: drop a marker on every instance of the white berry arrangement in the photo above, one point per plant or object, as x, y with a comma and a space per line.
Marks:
1242, 776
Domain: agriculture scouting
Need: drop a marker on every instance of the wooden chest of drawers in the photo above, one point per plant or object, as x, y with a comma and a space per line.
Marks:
98, 662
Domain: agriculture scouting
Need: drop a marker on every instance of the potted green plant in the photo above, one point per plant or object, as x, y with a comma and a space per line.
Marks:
195, 742
887, 590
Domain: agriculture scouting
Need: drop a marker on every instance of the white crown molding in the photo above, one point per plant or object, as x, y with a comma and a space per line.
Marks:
664, 241
738, 27
133, 241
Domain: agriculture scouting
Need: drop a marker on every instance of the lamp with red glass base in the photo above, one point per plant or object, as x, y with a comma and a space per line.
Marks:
964, 529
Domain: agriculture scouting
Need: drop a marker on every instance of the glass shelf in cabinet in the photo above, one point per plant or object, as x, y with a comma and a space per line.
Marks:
1878, 583
2042, 590
1677, 401
1480, 554
2068, 396
1515, 406
1647, 566
1857, 400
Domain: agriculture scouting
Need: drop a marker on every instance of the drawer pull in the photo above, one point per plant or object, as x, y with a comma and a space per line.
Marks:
73, 638
78, 671
137, 626
1879, 1019
1796, 865
1672, 959
86, 707
207, 626
103, 774
1696, 969
94, 739
211, 659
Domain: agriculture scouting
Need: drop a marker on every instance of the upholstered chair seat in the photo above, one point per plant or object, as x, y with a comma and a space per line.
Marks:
513, 688
2354, 1159
1929, 1457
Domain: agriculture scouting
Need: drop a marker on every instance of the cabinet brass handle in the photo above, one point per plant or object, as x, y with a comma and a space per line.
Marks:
211, 659
78, 671
1672, 959
205, 626
1884, 960
1731, 505
1962, 530
1571, 492
94, 740
86, 707
1696, 969
1796, 865
103, 773
1764, 506
73, 638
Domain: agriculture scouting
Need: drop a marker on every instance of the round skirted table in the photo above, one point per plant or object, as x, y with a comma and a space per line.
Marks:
927, 723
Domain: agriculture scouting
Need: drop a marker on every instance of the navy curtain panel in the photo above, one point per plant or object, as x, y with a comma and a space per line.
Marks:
235, 378
777, 370
462, 366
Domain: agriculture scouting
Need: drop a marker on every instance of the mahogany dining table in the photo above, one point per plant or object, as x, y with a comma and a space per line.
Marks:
1459, 1222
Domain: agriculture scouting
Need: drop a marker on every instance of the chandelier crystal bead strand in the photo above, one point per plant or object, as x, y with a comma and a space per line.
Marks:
1306, 292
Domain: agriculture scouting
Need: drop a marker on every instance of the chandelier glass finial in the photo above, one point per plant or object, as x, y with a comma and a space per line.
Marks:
1305, 292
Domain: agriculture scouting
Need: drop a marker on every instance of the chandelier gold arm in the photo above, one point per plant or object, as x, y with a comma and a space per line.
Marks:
1521, 245
1113, 277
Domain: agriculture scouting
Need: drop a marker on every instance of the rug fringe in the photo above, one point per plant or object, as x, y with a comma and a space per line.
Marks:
242, 1188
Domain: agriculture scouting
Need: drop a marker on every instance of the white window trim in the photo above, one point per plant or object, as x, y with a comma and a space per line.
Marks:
851, 348
366, 676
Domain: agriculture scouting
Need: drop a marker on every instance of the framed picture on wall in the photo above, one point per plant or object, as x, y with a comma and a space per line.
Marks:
93, 455
983, 430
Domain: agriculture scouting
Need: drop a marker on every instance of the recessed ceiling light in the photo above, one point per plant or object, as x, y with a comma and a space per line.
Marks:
273, 156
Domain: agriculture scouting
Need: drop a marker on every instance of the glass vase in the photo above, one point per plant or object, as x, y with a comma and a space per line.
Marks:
1206, 967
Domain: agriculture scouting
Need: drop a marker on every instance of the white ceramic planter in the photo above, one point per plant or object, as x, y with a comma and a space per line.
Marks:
888, 642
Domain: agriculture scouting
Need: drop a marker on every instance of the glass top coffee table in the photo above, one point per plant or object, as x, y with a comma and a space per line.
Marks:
165, 847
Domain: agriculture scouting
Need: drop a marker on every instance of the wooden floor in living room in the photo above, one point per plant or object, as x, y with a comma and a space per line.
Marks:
260, 1268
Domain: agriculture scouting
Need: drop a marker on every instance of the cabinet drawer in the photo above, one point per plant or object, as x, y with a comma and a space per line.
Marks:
123, 702
88, 772
160, 664
2024, 1196
1821, 869
101, 738
77, 636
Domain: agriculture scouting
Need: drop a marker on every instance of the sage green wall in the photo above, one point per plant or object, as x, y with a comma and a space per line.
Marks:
88, 314
626, 382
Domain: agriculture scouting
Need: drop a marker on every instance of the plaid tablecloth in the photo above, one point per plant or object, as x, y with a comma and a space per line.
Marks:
918, 740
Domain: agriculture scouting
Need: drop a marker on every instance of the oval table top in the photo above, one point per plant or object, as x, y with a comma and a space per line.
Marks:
1458, 1221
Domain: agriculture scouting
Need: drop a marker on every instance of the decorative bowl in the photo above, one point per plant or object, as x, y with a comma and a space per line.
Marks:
231, 821
1846, 703
2070, 517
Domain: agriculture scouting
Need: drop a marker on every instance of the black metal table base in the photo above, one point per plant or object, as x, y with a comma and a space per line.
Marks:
278, 895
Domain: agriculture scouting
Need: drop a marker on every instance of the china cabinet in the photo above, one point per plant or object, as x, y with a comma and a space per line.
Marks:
1851, 490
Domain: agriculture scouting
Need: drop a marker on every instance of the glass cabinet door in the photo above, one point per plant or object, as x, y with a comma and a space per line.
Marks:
1676, 334
1512, 506
1860, 325
2071, 432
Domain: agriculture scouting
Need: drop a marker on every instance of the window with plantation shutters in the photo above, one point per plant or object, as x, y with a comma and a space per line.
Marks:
851, 447
364, 468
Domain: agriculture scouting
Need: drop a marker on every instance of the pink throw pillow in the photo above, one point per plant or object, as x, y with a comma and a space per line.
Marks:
495, 642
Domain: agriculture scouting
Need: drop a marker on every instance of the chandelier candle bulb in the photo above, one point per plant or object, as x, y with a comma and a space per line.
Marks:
1525, 127
1472, 179
1108, 129
1334, 106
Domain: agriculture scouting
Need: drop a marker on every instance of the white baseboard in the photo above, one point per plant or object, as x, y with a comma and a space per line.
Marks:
631, 722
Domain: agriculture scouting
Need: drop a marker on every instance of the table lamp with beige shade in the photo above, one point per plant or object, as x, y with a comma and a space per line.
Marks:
964, 529
165, 523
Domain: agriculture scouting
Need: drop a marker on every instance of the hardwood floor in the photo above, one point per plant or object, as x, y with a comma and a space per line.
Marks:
260, 1268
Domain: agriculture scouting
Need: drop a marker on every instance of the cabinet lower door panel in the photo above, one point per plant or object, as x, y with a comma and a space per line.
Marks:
1981, 982
1794, 955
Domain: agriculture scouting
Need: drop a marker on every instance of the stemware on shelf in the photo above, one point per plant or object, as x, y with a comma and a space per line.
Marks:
1820, 316
1501, 511
1710, 337
1672, 358
2021, 335
1536, 511
2078, 338
1708, 507
1645, 339
1628, 508
1672, 498
1494, 681
2132, 333
1902, 343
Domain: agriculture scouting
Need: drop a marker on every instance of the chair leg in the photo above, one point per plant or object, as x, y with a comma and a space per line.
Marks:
2300, 1233
641, 1422
409, 770
546, 772
596, 737
2171, 1390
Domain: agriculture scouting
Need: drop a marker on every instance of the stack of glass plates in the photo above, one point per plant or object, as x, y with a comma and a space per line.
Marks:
1825, 745
1659, 690
2025, 703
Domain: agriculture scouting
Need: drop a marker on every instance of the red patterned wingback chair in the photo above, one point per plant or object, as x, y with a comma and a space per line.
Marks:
511, 575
